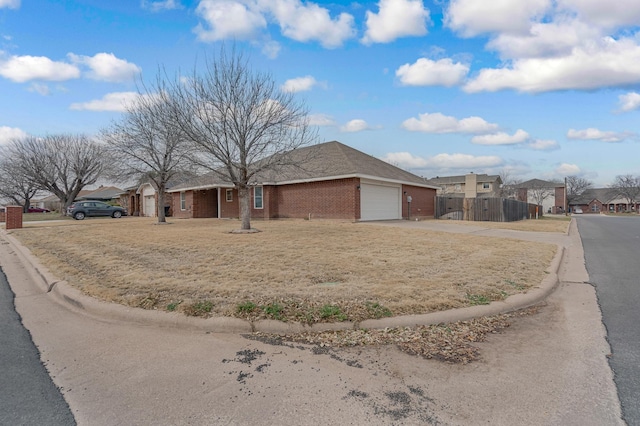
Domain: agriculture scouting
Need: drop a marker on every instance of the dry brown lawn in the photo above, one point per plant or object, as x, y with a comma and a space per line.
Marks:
545, 224
293, 270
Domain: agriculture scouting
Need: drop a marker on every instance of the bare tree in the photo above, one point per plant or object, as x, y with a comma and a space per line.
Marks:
146, 144
240, 123
509, 188
575, 187
540, 190
14, 184
627, 187
61, 164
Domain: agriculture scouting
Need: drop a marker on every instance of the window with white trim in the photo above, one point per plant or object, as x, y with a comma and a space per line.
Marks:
257, 197
183, 200
229, 195
486, 186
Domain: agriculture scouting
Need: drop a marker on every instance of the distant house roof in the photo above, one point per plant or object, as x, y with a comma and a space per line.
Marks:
453, 180
326, 161
102, 193
604, 195
539, 183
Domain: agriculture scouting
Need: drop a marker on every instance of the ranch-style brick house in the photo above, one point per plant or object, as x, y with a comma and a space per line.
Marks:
334, 181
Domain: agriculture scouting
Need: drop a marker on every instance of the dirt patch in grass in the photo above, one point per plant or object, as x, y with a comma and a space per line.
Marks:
306, 271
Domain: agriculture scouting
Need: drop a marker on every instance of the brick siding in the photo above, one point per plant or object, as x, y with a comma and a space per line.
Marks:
13, 217
422, 202
331, 199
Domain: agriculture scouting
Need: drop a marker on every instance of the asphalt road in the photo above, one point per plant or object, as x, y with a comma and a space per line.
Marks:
27, 393
611, 246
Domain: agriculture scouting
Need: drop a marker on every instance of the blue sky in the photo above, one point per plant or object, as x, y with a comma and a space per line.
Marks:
539, 88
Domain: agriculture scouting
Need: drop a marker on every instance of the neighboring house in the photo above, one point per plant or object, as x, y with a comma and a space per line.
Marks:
457, 186
140, 200
602, 200
334, 182
549, 195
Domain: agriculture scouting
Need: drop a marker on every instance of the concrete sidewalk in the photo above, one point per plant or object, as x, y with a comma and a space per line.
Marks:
546, 369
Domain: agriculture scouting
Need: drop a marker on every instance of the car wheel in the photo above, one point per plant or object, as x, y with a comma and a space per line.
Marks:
116, 214
79, 216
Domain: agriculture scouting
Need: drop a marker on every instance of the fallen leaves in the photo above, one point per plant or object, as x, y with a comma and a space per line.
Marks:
450, 343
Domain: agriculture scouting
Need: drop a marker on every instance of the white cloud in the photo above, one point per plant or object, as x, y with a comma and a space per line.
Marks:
608, 63
229, 19
607, 14
245, 19
299, 84
549, 39
40, 88
271, 49
10, 4
117, 101
405, 160
158, 6
442, 162
473, 17
310, 22
440, 123
566, 169
425, 72
501, 138
629, 101
9, 133
543, 145
595, 134
106, 67
395, 19
321, 120
26, 68
357, 125
464, 161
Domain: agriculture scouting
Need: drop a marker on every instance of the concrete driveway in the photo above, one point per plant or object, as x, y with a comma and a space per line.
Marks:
546, 369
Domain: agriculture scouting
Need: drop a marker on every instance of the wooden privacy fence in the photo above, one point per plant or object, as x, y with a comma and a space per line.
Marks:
485, 209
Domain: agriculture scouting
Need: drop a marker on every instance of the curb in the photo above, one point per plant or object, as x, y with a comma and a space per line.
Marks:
75, 300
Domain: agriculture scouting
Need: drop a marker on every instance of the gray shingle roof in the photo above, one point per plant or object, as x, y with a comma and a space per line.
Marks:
539, 183
604, 195
319, 162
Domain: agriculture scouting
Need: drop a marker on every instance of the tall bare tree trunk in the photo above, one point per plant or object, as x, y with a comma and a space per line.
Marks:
245, 208
161, 202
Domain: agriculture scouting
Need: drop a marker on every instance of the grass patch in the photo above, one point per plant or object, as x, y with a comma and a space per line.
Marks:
478, 299
173, 306
247, 307
273, 310
378, 311
332, 312
199, 309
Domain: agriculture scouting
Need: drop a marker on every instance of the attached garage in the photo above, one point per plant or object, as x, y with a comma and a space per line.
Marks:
380, 202
148, 199
149, 208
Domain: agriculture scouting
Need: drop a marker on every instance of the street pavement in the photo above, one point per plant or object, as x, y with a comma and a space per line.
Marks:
546, 369
611, 252
27, 393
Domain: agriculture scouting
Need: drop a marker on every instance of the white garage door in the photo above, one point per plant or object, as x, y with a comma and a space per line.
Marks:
149, 206
378, 202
